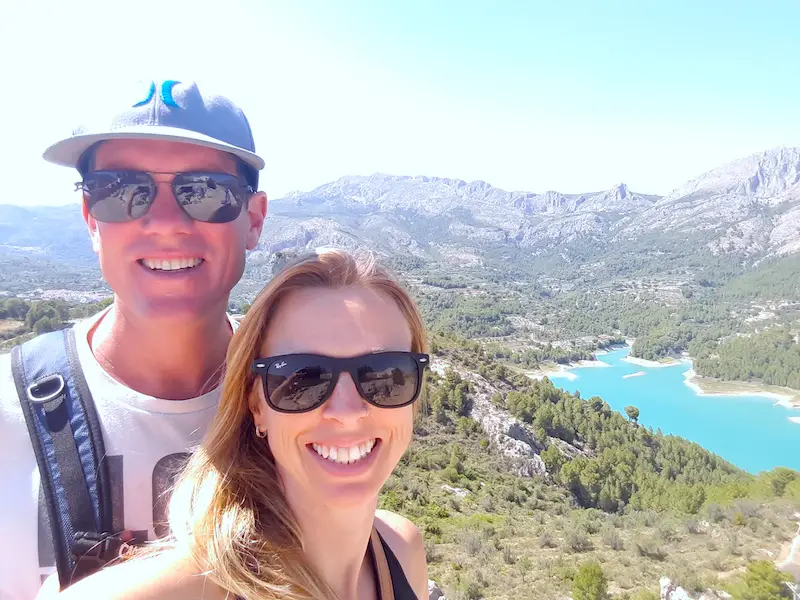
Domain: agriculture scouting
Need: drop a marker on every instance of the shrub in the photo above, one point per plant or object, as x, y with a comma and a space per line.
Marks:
546, 540
590, 583
472, 543
612, 539
576, 541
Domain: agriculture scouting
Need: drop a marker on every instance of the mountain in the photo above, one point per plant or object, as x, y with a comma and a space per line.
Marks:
751, 205
741, 212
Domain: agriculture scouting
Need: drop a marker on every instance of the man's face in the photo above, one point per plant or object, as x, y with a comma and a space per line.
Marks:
129, 251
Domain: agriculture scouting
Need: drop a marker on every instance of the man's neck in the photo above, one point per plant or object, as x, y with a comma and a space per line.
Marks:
169, 359
335, 542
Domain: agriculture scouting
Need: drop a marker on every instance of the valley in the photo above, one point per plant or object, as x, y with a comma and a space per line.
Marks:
514, 479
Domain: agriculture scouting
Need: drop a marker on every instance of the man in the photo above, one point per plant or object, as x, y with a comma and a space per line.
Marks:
170, 204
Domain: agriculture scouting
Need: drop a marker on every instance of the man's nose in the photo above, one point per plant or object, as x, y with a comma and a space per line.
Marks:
164, 214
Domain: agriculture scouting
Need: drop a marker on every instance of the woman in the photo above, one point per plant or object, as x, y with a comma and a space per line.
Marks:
317, 408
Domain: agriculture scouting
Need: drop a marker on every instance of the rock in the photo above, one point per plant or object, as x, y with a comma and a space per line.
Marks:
461, 493
670, 592
434, 593
507, 433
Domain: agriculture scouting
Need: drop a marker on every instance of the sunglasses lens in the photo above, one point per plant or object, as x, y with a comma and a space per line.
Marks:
389, 379
292, 385
117, 196
210, 197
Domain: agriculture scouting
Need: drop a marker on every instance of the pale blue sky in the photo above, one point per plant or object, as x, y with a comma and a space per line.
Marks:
571, 96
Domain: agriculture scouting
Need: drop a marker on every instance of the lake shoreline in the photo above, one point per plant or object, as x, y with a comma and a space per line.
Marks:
702, 386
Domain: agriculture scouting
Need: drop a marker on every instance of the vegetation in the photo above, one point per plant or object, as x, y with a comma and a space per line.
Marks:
491, 534
590, 583
21, 319
772, 356
761, 581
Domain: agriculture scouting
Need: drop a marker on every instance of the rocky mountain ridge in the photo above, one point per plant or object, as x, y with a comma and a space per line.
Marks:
748, 209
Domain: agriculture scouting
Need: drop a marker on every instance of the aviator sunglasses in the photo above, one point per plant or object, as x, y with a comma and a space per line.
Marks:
119, 196
297, 383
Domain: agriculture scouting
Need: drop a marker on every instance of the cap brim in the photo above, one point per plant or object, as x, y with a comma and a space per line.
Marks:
69, 151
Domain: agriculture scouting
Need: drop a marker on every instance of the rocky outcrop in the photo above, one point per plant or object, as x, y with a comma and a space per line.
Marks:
507, 433
669, 591
510, 435
434, 593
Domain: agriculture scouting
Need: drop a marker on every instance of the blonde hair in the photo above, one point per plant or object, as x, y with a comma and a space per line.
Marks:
228, 506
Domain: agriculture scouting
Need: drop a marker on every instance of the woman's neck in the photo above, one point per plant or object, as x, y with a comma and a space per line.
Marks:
335, 541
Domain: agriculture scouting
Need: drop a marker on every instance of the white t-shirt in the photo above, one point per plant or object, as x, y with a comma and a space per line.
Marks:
145, 438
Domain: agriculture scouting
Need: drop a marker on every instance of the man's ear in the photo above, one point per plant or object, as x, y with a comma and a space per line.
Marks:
91, 224
256, 213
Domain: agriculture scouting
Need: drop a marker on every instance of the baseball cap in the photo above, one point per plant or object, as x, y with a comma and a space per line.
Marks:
167, 110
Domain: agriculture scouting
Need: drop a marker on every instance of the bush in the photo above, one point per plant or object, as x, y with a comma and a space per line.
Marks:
576, 541
715, 513
590, 583
612, 539
762, 581
546, 540
650, 548
692, 526
472, 543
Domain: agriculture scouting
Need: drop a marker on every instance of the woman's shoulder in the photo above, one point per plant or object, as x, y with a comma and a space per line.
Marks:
171, 574
406, 543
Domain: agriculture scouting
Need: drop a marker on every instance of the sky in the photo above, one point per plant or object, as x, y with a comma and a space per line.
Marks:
573, 96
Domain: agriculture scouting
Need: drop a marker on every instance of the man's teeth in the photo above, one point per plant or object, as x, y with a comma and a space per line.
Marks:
345, 456
171, 265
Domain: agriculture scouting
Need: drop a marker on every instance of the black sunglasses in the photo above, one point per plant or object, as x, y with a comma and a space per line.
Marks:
296, 383
120, 196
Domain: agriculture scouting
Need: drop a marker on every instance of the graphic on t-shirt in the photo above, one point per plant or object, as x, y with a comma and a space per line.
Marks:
164, 475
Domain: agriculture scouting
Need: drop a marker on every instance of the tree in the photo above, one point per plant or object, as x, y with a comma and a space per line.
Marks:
633, 413
438, 410
590, 583
553, 459
762, 581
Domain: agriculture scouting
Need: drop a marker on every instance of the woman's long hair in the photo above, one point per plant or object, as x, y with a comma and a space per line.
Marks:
228, 506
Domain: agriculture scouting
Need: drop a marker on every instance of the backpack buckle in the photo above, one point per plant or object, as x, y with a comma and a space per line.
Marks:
96, 547
46, 389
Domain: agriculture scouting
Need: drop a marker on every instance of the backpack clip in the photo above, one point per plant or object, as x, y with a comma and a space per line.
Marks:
46, 389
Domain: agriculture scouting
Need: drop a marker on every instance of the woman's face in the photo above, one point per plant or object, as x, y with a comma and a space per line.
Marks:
338, 323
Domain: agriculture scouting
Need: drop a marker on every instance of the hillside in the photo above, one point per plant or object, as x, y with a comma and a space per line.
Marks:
512, 506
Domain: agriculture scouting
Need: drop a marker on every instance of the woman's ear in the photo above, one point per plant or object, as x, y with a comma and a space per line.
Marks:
258, 407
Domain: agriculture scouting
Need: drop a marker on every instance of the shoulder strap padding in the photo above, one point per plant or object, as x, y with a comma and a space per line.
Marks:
68, 445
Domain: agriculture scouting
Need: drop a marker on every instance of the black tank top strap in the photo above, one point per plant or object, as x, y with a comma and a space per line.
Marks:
392, 582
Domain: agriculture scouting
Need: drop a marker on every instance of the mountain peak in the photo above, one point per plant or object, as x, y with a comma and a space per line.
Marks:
619, 191
767, 174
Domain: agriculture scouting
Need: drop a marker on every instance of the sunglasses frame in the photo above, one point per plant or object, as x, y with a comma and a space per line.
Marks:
338, 366
246, 188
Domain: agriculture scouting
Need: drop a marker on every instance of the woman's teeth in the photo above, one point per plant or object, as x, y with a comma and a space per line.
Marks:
345, 456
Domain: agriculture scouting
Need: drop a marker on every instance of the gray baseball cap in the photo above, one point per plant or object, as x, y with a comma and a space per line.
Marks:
167, 110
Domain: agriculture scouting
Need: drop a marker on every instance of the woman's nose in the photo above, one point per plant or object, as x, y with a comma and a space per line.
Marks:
345, 404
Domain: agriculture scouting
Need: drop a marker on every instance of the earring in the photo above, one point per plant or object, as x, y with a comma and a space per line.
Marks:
259, 433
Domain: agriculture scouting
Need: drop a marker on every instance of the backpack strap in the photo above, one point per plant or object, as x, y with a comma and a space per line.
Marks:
68, 443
